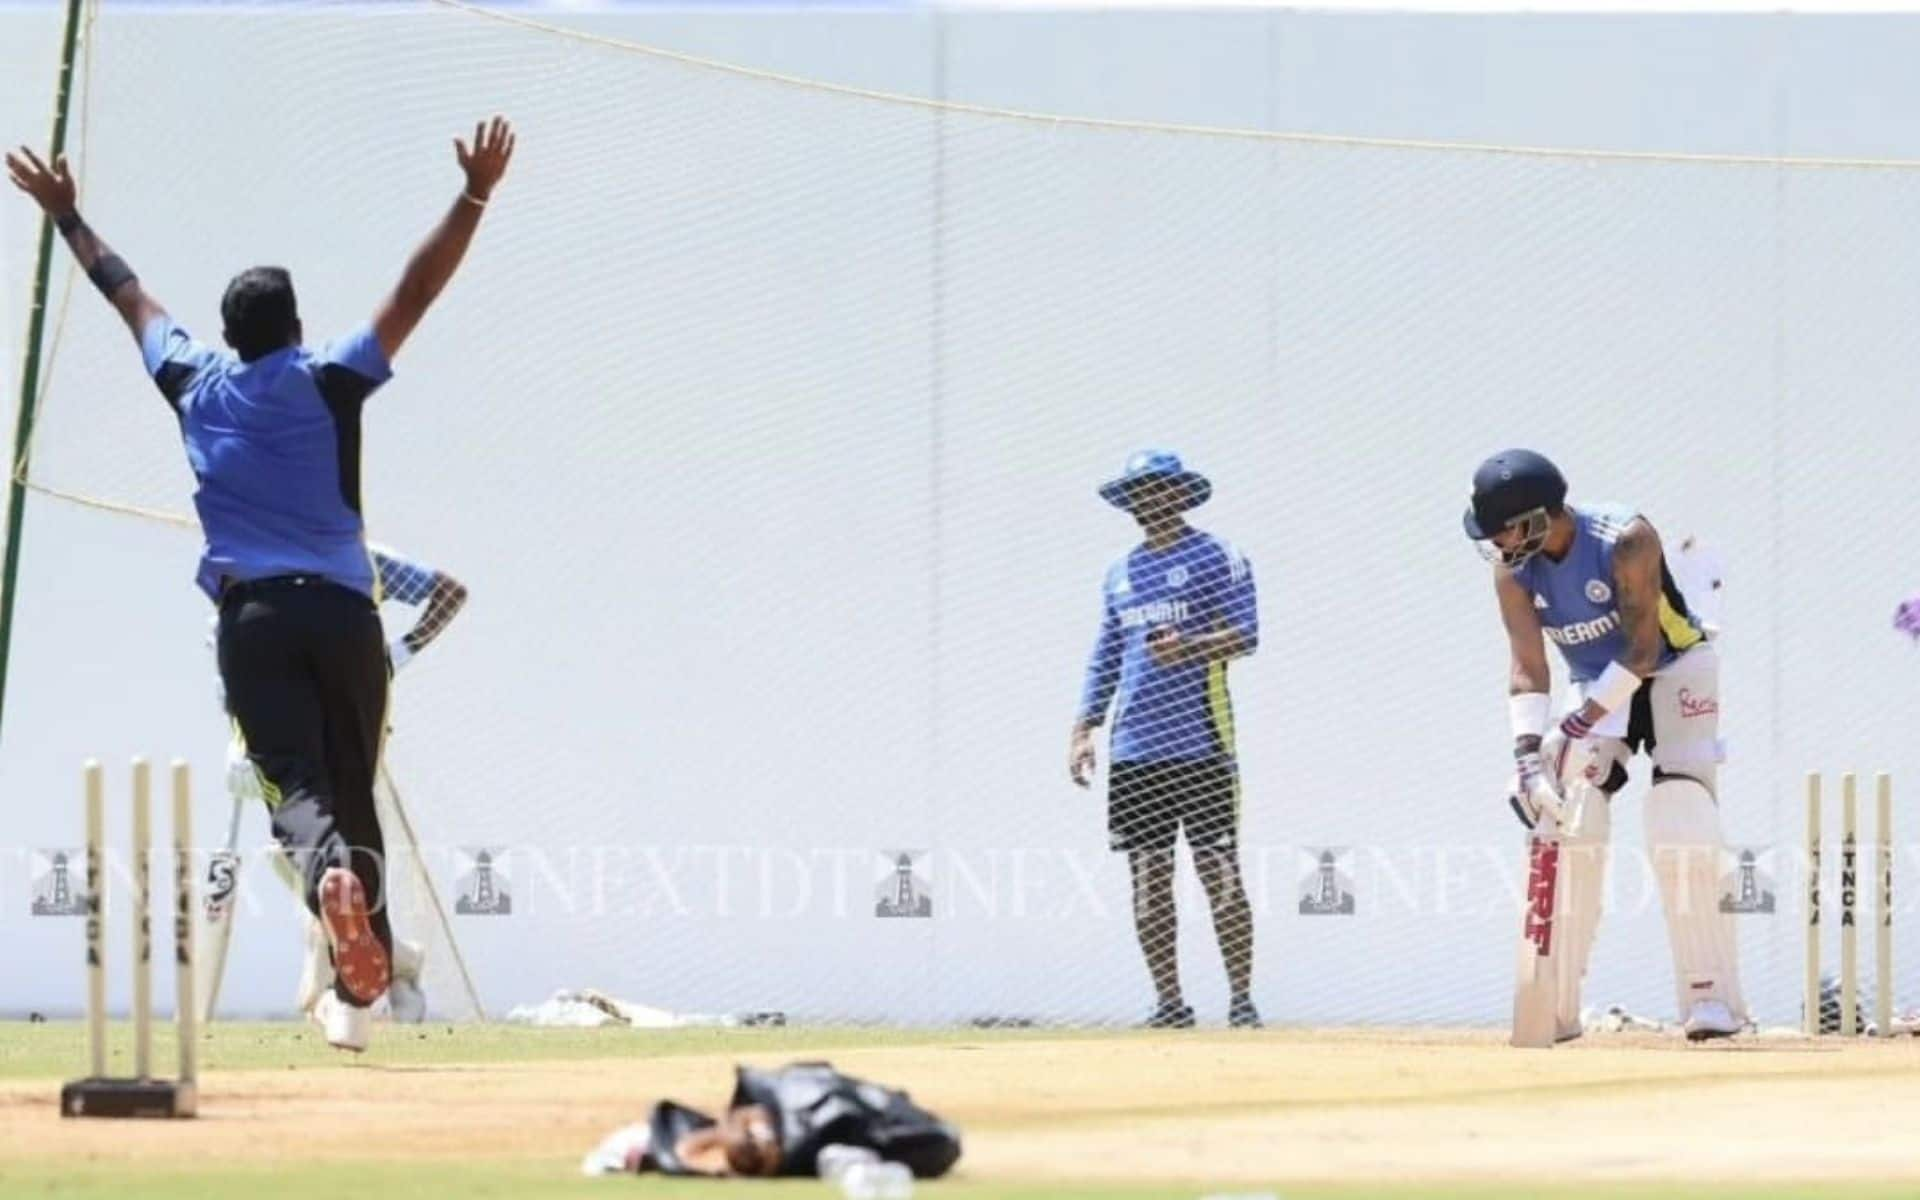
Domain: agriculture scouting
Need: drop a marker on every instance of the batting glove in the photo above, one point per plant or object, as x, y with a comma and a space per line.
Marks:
1533, 794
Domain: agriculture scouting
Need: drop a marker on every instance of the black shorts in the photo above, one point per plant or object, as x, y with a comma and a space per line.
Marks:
1149, 803
1640, 720
1640, 738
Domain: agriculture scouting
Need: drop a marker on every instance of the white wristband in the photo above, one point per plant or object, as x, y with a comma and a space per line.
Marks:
1527, 713
1614, 688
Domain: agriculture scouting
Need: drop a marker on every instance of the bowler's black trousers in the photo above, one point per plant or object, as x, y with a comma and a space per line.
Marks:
305, 668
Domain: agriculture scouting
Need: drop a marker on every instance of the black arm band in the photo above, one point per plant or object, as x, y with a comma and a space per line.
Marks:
66, 223
110, 274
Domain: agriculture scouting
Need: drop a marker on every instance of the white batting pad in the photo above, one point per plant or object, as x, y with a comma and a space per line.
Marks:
1683, 838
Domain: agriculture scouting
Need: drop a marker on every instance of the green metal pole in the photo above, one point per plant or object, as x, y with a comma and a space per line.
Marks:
30, 372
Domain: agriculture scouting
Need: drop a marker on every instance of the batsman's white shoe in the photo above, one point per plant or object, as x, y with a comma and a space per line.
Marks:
1710, 1019
346, 1027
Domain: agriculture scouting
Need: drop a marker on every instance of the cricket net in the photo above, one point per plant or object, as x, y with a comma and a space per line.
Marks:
765, 420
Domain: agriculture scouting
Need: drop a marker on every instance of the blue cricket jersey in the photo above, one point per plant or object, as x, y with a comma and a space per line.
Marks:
275, 449
1575, 602
1199, 584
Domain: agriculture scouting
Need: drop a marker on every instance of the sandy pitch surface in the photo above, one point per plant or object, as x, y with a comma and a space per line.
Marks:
1286, 1105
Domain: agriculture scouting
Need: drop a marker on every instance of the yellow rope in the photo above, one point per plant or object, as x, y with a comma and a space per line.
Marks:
113, 506
1054, 120
1049, 120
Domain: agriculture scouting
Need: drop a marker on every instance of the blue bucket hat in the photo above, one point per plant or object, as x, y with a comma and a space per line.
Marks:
1156, 464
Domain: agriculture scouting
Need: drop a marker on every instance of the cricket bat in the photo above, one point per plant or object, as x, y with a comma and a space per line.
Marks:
223, 879
1536, 986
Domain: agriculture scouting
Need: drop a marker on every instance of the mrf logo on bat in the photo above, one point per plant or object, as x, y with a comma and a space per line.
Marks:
1543, 877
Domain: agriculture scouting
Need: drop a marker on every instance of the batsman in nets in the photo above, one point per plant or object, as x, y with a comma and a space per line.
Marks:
1593, 580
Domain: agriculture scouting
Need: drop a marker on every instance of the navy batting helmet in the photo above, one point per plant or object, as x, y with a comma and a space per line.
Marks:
1514, 487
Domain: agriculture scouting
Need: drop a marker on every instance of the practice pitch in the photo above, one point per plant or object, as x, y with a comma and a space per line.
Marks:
507, 1111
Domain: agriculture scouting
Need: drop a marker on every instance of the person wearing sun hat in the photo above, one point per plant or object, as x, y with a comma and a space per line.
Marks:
1175, 610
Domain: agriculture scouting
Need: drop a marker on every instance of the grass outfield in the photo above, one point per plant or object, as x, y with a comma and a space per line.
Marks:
57, 1049
466, 1111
